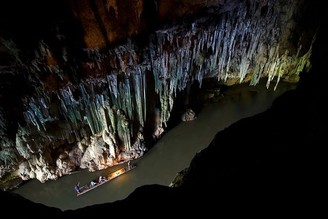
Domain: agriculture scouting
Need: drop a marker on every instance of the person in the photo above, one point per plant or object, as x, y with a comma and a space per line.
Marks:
77, 188
101, 179
93, 183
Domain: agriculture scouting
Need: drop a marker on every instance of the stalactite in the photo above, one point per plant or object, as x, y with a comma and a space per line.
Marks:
112, 118
144, 87
127, 97
123, 130
112, 85
138, 90
70, 107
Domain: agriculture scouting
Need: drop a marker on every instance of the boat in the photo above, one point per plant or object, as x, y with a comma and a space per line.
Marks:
104, 179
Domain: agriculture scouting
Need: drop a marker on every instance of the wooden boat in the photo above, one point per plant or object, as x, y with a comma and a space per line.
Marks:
102, 180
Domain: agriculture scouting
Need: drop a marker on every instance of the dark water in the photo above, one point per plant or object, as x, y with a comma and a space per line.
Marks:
170, 155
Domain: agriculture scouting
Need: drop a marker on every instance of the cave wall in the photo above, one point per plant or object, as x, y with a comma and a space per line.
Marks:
105, 22
85, 89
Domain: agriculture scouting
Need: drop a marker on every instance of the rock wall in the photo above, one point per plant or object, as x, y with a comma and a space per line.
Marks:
89, 99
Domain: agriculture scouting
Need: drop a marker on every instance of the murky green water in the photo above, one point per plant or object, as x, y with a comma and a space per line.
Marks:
170, 155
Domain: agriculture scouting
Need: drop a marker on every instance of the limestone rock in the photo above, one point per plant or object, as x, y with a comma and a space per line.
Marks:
189, 115
36, 167
68, 161
94, 158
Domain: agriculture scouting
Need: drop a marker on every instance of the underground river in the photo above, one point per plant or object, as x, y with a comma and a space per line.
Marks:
172, 153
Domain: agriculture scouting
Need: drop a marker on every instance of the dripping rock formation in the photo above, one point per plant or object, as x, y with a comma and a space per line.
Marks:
90, 84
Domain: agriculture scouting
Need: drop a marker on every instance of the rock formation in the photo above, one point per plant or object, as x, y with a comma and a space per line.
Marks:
89, 98
189, 115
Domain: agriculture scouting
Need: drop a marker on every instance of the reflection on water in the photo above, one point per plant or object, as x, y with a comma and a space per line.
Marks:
170, 155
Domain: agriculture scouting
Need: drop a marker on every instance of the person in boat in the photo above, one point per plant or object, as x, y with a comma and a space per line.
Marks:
101, 179
77, 188
93, 183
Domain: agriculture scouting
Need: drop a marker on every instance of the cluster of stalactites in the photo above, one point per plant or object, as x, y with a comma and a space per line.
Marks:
243, 44
110, 104
225, 49
37, 112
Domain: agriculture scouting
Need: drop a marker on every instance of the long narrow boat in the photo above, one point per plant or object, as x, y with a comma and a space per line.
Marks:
102, 180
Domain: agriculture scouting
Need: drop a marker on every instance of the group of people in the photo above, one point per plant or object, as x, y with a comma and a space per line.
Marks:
101, 179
